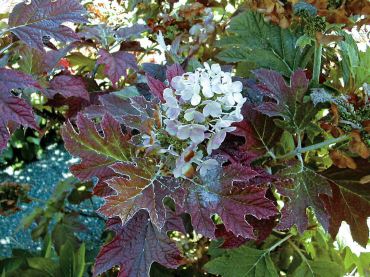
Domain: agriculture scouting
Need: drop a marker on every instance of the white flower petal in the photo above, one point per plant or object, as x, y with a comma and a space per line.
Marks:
215, 141
171, 126
196, 99
213, 109
197, 133
237, 86
183, 132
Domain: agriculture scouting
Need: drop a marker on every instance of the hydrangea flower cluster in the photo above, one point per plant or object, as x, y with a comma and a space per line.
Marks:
198, 111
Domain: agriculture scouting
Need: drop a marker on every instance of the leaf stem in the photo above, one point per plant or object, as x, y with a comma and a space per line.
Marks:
300, 150
279, 243
303, 257
317, 63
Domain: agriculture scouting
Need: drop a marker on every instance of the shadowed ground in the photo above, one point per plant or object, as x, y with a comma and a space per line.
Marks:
42, 177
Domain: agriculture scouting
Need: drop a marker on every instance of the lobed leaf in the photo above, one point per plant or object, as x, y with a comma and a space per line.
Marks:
288, 100
116, 64
216, 193
97, 152
138, 186
43, 18
136, 246
252, 39
307, 188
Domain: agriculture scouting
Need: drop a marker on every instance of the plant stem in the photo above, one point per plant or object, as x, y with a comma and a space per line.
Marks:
316, 146
317, 63
279, 243
303, 257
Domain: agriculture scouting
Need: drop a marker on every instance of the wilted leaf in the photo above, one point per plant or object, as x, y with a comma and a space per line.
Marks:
341, 160
136, 246
357, 146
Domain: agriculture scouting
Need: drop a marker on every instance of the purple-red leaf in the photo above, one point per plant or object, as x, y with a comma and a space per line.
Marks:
347, 206
307, 186
216, 193
288, 99
136, 246
137, 187
12, 108
156, 87
96, 151
259, 131
44, 18
173, 71
132, 31
135, 113
68, 86
116, 64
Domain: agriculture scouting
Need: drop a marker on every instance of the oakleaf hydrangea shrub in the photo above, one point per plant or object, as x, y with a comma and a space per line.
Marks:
224, 138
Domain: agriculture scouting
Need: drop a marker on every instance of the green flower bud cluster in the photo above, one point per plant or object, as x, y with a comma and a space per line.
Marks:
312, 24
166, 140
352, 118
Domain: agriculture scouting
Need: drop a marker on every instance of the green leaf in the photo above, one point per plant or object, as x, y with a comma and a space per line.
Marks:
127, 92
287, 142
304, 41
64, 230
362, 72
318, 269
252, 39
44, 264
72, 263
243, 262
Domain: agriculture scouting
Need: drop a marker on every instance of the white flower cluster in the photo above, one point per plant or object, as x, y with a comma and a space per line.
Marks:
201, 106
